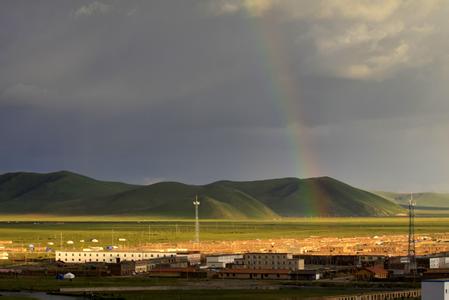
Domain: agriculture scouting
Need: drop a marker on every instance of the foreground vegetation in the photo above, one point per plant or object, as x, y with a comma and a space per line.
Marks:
171, 288
139, 232
233, 294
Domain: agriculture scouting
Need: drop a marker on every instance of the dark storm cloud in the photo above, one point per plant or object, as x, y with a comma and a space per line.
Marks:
188, 90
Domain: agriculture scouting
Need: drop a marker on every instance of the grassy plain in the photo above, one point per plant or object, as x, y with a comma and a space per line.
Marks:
138, 231
302, 293
171, 288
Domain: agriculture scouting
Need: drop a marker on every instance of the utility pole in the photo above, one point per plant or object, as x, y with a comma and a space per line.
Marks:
149, 233
411, 253
60, 241
196, 203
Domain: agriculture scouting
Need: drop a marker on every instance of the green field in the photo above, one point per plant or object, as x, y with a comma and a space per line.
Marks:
171, 288
140, 232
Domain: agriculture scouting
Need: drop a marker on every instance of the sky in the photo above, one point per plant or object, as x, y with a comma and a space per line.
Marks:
197, 91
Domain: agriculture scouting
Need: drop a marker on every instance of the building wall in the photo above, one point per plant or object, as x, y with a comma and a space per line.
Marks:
107, 256
249, 275
439, 263
220, 261
274, 261
192, 258
223, 258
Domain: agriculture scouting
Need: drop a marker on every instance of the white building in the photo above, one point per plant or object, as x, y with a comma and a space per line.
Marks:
107, 256
194, 258
435, 289
220, 261
439, 262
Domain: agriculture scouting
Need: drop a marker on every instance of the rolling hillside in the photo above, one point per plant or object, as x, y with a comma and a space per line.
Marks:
33, 192
68, 193
423, 200
323, 196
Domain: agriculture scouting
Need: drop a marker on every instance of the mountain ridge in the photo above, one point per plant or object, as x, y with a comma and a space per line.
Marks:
69, 193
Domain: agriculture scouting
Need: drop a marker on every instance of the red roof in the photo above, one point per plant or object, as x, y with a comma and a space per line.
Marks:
255, 271
173, 270
377, 270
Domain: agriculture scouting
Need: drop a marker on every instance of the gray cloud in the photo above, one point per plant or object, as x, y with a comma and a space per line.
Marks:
198, 91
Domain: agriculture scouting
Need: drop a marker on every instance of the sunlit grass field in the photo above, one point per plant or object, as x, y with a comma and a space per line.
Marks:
41, 231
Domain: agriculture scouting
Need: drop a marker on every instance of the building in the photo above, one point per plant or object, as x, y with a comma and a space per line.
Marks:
439, 263
269, 261
107, 256
127, 268
254, 274
169, 262
306, 275
342, 260
193, 257
437, 289
372, 273
220, 261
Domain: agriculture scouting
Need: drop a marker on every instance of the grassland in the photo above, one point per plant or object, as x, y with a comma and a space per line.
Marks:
67, 193
302, 293
138, 232
172, 288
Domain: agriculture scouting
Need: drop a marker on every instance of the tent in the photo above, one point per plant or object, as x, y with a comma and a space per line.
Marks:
69, 276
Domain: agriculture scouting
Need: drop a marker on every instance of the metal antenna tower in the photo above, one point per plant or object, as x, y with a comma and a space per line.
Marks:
411, 253
196, 203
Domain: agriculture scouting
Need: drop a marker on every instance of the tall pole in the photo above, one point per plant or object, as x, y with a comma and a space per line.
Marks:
149, 233
411, 253
196, 203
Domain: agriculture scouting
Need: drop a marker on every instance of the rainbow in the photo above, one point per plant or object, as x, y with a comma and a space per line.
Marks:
285, 93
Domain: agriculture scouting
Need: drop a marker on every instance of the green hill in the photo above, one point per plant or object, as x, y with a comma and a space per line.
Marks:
68, 193
322, 196
423, 200
33, 192
172, 199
